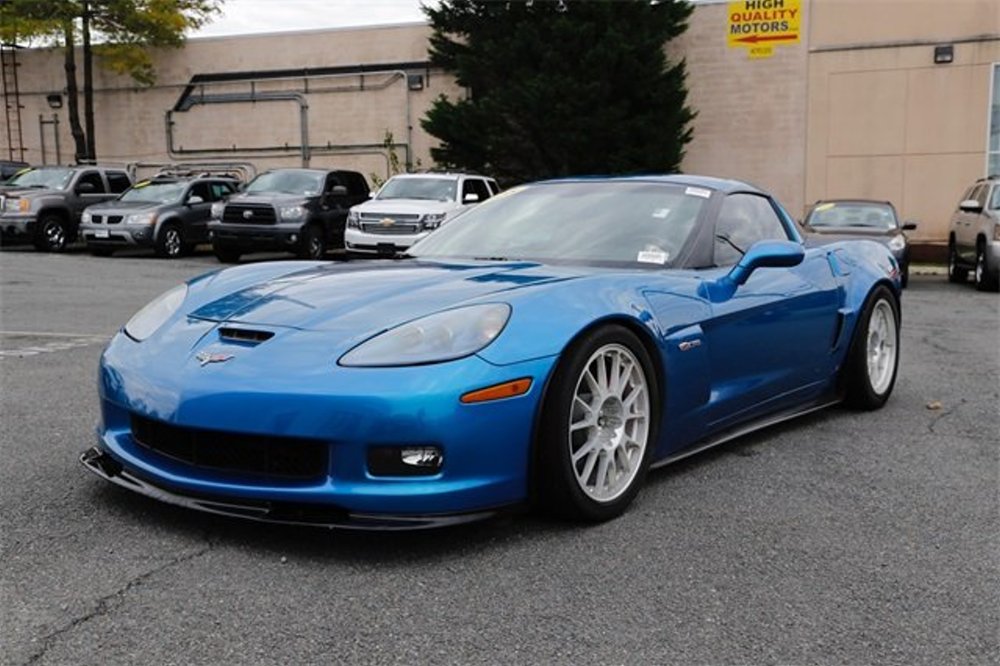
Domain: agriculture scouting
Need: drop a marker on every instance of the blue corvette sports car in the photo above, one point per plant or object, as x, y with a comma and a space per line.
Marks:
548, 347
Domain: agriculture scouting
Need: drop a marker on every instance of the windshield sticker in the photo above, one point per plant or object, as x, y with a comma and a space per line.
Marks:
826, 206
652, 257
698, 192
661, 213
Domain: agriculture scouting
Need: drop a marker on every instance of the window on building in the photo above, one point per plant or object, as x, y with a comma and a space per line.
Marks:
993, 149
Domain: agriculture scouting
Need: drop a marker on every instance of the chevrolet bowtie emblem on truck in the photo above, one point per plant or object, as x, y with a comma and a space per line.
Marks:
247, 214
385, 221
204, 358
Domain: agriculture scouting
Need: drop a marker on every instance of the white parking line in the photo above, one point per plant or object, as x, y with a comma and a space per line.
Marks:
65, 342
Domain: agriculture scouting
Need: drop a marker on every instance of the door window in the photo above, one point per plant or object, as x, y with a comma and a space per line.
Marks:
475, 186
219, 190
743, 220
94, 178
118, 181
201, 189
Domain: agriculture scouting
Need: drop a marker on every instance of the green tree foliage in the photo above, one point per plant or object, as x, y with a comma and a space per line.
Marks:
119, 32
560, 88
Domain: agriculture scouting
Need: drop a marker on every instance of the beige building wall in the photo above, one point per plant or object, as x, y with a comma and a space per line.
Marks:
343, 110
884, 121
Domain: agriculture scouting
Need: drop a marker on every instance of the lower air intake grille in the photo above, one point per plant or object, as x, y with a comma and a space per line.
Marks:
280, 457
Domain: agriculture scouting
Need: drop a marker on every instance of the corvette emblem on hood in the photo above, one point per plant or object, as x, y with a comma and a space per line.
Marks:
204, 358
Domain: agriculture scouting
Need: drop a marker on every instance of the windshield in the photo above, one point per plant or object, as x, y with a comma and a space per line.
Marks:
162, 193
434, 189
55, 179
852, 214
306, 183
580, 222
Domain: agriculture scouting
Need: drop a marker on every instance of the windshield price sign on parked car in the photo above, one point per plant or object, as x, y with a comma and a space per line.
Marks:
760, 25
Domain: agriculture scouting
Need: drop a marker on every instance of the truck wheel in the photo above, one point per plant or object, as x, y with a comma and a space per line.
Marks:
225, 254
170, 244
51, 234
985, 281
956, 273
312, 244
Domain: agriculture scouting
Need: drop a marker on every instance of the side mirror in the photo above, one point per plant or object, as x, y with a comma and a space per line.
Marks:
338, 191
194, 199
470, 197
85, 188
766, 254
970, 206
909, 225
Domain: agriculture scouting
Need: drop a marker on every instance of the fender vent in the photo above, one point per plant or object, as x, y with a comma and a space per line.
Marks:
244, 335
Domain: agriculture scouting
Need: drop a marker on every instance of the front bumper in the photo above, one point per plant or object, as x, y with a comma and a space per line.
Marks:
17, 225
281, 236
486, 446
117, 235
356, 240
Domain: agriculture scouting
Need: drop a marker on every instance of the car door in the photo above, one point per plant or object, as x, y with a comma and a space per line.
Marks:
89, 188
195, 214
769, 345
968, 221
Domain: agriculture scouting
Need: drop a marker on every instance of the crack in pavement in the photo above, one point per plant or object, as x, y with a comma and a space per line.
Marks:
947, 412
106, 603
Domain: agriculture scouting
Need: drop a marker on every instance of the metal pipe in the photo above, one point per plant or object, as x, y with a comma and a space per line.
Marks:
41, 135
55, 132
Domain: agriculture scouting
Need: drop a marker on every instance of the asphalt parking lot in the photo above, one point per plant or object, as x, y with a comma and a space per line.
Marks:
841, 538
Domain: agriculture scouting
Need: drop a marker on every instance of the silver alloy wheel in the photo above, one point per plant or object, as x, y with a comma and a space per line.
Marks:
609, 423
172, 242
980, 265
315, 247
55, 236
881, 346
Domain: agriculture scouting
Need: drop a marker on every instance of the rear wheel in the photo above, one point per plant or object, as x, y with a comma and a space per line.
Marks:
311, 244
227, 255
955, 272
873, 358
170, 243
598, 427
985, 281
51, 235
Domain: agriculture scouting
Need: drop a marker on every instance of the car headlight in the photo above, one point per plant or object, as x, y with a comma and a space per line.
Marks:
141, 218
145, 322
897, 243
218, 208
433, 220
292, 212
353, 219
443, 336
87, 217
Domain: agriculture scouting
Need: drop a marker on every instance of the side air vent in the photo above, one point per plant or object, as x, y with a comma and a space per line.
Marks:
244, 335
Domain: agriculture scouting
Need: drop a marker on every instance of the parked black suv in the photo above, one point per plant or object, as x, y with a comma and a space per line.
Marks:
167, 213
44, 204
303, 211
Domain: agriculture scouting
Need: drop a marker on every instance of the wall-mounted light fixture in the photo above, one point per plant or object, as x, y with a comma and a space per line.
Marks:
54, 100
415, 81
944, 54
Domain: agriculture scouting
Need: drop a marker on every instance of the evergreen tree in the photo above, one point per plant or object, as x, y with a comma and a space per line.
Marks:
560, 88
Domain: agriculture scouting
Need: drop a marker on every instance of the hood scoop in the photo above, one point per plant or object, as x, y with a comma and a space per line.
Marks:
244, 336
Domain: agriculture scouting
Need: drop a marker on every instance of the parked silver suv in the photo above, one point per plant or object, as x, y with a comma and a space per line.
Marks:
974, 236
409, 206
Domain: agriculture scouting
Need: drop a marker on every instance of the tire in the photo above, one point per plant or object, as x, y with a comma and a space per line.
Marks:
170, 242
956, 273
983, 279
100, 251
226, 255
873, 359
591, 460
52, 234
312, 245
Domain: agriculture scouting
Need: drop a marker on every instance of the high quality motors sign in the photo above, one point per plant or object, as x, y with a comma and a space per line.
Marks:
759, 25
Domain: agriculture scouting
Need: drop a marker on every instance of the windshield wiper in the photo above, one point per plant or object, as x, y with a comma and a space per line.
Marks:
725, 239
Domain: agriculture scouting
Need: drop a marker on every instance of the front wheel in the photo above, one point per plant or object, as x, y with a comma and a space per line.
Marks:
312, 245
598, 427
955, 272
984, 280
170, 243
52, 234
873, 358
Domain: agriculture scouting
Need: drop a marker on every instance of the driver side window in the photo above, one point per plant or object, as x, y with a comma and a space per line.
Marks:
743, 220
94, 179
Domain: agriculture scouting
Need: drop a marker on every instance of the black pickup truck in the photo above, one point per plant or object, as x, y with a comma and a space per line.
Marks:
303, 211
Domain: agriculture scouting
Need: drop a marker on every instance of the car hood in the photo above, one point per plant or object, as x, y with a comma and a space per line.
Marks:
373, 296
852, 232
26, 192
123, 207
267, 198
404, 207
